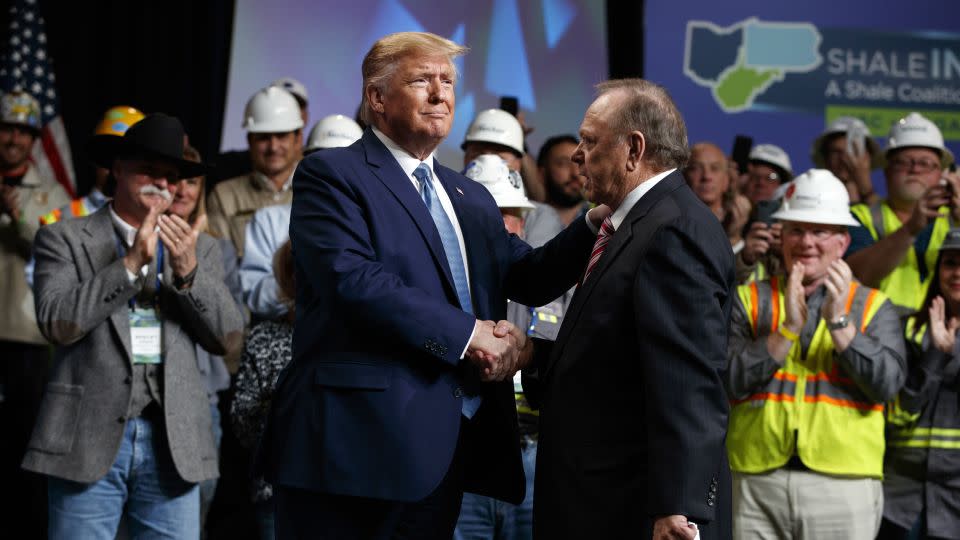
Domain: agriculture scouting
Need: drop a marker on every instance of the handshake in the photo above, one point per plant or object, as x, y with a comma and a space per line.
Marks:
498, 350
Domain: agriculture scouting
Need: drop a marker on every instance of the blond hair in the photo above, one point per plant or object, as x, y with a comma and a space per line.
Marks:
648, 108
381, 61
192, 154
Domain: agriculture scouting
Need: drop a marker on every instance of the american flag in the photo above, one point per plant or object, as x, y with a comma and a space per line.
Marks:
26, 66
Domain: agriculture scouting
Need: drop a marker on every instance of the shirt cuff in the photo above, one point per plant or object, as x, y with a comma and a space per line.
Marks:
469, 341
593, 228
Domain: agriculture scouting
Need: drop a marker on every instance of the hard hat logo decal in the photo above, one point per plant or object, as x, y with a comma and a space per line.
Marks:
515, 180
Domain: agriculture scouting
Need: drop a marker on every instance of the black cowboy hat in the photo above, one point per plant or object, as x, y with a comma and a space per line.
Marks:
157, 136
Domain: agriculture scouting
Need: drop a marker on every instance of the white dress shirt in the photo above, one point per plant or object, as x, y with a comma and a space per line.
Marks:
633, 198
128, 233
409, 164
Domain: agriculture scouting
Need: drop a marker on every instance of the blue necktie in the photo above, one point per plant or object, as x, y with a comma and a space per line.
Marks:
451, 248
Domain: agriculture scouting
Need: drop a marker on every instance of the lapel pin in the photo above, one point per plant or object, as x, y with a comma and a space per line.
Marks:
460, 191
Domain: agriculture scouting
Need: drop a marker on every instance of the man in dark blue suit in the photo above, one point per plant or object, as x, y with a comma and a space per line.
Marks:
398, 397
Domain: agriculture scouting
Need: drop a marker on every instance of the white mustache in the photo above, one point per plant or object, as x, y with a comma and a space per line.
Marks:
151, 189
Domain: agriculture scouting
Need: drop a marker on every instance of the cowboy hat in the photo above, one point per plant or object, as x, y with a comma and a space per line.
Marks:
157, 136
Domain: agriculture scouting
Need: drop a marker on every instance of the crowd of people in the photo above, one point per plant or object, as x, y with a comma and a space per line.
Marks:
622, 331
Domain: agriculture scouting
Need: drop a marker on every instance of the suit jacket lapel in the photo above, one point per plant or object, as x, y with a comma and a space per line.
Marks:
100, 245
171, 330
620, 239
388, 171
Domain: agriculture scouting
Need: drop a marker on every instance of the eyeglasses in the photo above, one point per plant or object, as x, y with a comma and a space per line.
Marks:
760, 177
818, 233
920, 165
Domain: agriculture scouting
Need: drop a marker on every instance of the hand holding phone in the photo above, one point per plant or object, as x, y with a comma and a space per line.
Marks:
856, 141
510, 104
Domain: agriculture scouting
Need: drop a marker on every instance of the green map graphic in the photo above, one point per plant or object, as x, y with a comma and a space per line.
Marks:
739, 62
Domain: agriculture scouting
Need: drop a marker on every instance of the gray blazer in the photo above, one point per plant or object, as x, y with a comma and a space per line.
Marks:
82, 291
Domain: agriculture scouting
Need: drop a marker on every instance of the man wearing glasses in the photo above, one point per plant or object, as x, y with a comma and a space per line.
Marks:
896, 248
813, 356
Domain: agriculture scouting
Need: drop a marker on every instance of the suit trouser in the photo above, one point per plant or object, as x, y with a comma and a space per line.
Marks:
802, 504
302, 514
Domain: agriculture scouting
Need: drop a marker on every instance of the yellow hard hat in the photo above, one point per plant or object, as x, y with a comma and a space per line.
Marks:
117, 119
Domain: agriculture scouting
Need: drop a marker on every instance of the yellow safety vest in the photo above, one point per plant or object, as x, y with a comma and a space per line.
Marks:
903, 285
810, 407
758, 274
77, 208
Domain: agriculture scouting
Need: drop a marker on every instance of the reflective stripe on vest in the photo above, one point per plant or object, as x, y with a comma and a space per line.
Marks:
903, 285
76, 208
810, 407
52, 216
926, 437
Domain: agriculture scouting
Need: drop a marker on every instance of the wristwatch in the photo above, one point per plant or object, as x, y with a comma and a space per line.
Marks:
840, 323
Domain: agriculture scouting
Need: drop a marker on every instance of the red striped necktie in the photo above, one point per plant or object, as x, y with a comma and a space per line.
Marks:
603, 237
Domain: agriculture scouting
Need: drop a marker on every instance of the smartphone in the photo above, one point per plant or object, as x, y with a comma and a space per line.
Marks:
765, 210
510, 104
856, 141
741, 152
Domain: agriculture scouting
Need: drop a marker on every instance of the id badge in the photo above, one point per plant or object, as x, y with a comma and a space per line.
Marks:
146, 338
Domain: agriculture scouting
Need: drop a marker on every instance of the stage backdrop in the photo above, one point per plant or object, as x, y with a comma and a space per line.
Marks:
780, 71
547, 53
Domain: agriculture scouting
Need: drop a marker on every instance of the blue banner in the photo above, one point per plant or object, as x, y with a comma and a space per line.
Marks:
781, 73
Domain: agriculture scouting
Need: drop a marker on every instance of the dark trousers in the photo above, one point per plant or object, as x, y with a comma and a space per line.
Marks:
23, 374
302, 514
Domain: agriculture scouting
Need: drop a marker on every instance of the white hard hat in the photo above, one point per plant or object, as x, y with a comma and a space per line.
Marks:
498, 127
272, 110
505, 185
844, 125
817, 196
333, 131
293, 86
772, 154
916, 130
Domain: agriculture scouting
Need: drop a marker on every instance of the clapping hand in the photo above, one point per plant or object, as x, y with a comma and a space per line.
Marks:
144, 246
180, 240
795, 301
839, 277
943, 333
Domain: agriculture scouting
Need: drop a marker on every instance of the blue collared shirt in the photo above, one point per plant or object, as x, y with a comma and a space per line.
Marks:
266, 232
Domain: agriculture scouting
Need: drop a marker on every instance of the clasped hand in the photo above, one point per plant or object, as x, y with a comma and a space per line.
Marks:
498, 349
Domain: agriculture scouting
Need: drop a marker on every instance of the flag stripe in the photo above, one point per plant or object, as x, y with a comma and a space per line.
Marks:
50, 148
25, 65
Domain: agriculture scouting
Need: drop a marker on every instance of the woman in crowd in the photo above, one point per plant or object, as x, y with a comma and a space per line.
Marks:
268, 349
188, 204
922, 461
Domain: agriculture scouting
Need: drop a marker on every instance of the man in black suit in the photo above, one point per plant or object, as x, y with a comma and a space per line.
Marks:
633, 411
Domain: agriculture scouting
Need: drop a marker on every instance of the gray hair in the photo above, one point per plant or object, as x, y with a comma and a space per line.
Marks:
648, 108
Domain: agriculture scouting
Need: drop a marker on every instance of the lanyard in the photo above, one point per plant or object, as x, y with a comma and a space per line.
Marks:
122, 251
